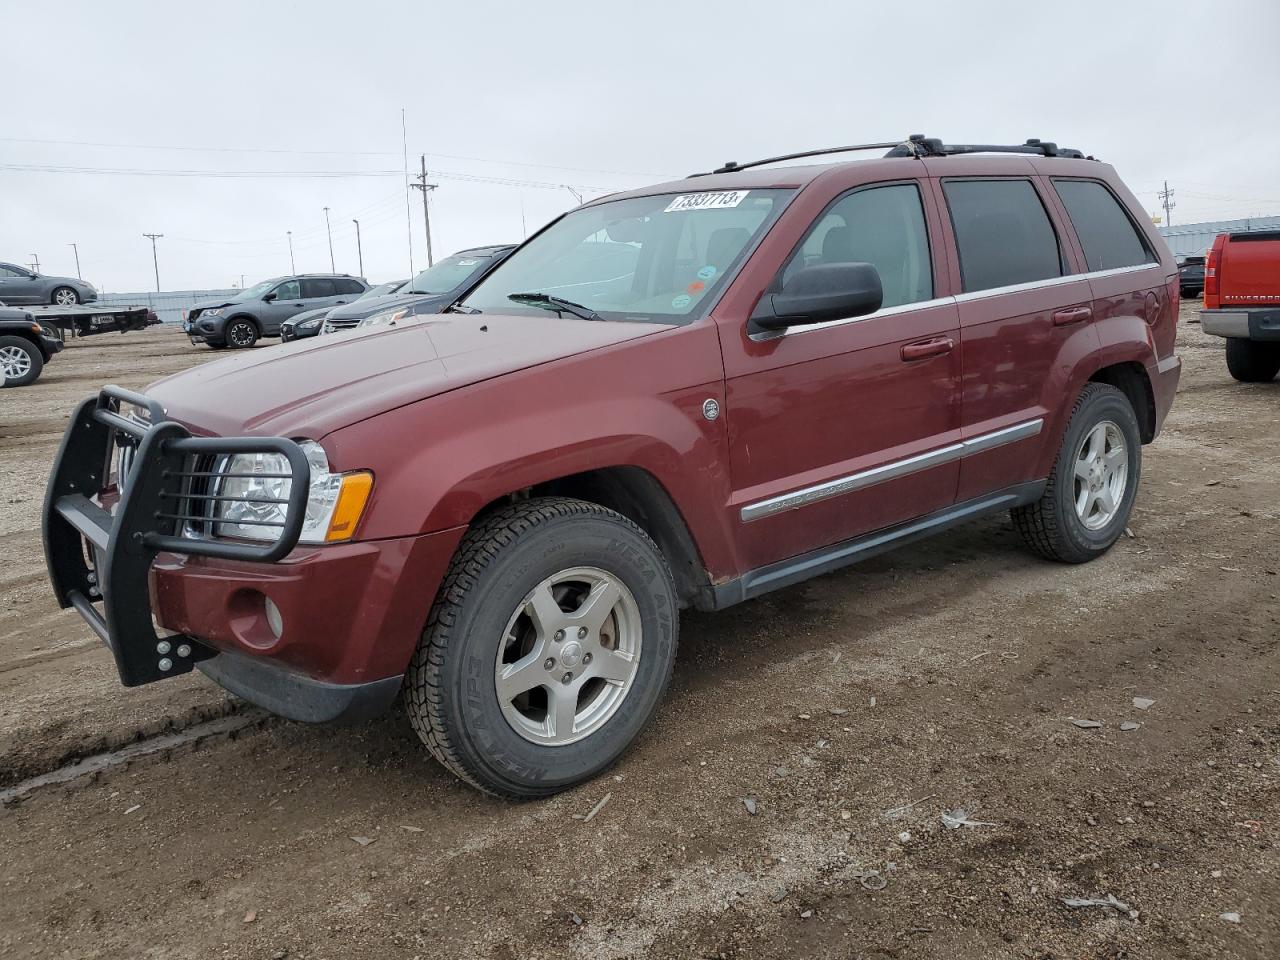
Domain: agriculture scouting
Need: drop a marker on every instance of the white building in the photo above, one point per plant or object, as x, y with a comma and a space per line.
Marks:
1195, 239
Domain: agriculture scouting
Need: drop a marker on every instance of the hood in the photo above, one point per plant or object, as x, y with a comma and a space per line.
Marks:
209, 305
313, 387
367, 308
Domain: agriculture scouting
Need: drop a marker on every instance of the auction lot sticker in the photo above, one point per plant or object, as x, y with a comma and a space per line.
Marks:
718, 200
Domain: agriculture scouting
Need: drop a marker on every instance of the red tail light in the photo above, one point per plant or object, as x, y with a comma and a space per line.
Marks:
1211, 264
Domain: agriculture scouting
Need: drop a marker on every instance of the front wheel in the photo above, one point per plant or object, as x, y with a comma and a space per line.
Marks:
241, 334
65, 297
548, 649
1089, 496
20, 362
1252, 361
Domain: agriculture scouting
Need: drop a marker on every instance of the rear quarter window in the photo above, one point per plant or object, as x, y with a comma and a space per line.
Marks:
1109, 238
1003, 233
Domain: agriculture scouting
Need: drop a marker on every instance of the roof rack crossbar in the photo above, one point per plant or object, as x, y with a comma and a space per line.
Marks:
917, 145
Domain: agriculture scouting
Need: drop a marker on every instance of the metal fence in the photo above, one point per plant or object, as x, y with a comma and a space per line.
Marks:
1194, 239
170, 306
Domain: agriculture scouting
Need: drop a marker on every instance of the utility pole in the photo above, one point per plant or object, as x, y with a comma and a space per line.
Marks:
154, 260
359, 249
77, 253
426, 214
35, 265
1166, 200
293, 267
332, 268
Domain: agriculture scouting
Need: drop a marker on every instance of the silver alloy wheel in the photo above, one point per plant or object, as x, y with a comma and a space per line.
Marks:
569, 656
65, 296
239, 334
1101, 475
15, 363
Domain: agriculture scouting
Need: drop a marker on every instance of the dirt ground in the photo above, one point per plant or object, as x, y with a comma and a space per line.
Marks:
852, 712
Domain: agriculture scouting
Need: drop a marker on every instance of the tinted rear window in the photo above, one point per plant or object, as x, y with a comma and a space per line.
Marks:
1106, 233
1003, 233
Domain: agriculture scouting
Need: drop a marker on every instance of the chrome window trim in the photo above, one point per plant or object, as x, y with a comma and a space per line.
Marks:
890, 471
766, 336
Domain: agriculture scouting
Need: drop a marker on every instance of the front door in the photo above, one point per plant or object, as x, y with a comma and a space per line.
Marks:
842, 428
288, 301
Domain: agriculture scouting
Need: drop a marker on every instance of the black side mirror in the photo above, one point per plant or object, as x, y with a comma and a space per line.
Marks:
268, 297
822, 292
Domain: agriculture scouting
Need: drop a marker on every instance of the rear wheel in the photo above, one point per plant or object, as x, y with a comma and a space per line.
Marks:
241, 333
548, 649
65, 297
1087, 501
20, 362
1251, 361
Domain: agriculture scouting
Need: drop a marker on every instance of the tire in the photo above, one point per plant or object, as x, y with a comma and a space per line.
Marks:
20, 362
240, 333
1252, 361
483, 622
1054, 525
64, 296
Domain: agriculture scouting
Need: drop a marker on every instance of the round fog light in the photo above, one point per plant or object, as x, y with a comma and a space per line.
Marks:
274, 620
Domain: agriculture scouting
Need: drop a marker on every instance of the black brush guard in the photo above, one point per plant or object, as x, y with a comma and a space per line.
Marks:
100, 561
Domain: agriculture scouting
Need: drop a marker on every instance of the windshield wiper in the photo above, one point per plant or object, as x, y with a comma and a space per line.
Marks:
460, 308
556, 303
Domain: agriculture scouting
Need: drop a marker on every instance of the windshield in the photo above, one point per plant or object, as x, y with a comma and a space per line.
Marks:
257, 290
659, 258
381, 290
448, 274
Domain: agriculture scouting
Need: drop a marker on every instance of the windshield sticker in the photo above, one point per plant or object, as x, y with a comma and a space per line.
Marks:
707, 272
681, 301
719, 200
696, 287
467, 263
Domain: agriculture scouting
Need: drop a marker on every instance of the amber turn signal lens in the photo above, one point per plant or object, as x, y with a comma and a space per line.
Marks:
351, 500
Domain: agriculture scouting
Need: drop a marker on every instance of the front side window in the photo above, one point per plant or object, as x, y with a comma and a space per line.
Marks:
1003, 234
660, 258
289, 290
1106, 233
883, 226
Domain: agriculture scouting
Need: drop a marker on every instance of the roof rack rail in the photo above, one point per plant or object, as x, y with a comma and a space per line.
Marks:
916, 145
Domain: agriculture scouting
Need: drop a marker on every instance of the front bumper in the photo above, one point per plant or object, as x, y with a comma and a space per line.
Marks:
289, 334
1258, 323
346, 626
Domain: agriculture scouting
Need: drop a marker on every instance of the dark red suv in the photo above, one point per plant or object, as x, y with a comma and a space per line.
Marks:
682, 396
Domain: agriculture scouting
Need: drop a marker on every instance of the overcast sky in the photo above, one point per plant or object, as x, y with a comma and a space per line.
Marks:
595, 95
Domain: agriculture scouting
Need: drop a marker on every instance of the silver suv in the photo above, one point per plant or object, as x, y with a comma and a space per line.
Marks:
259, 310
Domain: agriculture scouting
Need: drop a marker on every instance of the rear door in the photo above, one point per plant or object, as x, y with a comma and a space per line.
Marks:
841, 428
1024, 309
16, 285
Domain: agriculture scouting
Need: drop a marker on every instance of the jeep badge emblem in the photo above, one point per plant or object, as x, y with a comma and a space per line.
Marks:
710, 408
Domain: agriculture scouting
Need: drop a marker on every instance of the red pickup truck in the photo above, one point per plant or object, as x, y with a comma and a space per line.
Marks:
1242, 302
686, 395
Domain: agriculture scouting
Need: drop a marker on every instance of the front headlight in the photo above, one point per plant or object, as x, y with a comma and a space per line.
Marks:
252, 491
384, 318
213, 312
310, 324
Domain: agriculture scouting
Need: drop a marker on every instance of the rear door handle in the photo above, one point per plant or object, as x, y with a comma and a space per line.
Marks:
1075, 315
928, 348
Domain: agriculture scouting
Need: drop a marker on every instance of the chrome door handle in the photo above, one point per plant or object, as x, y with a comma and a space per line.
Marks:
1062, 318
928, 348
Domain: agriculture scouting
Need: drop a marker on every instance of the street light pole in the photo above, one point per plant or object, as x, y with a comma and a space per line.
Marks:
329, 230
576, 195
359, 249
77, 253
293, 267
154, 259
35, 265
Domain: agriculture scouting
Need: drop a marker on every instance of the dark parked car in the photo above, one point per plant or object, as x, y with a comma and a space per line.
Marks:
20, 285
308, 324
260, 310
496, 515
1191, 277
25, 347
430, 291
